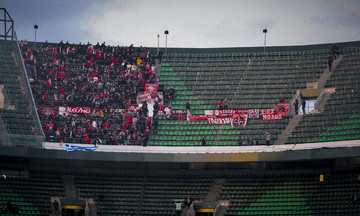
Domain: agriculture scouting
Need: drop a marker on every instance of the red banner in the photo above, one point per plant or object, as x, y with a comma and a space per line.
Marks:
272, 117
151, 88
83, 110
235, 120
254, 113
225, 112
150, 98
48, 111
283, 108
131, 108
196, 118
219, 120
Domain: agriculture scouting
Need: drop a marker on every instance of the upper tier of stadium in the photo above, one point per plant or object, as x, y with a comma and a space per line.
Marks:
86, 94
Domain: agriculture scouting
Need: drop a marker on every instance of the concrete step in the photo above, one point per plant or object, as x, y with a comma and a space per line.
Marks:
288, 130
92, 210
70, 188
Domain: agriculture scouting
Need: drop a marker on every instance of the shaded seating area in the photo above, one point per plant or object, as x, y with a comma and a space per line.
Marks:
286, 192
291, 194
31, 196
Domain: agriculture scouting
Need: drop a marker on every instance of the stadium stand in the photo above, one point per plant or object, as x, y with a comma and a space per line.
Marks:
339, 118
30, 195
97, 82
63, 74
131, 193
102, 78
17, 114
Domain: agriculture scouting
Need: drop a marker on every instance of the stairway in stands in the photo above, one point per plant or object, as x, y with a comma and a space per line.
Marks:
70, 188
294, 122
71, 193
210, 201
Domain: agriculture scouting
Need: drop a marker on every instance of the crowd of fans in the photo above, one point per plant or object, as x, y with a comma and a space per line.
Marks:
101, 77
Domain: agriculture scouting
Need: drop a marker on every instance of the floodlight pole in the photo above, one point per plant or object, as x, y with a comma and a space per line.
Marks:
264, 31
158, 45
166, 34
35, 27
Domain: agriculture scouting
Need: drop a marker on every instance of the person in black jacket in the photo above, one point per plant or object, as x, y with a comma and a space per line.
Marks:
203, 142
187, 106
296, 105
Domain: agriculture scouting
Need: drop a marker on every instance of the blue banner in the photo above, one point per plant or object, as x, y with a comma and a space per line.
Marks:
71, 148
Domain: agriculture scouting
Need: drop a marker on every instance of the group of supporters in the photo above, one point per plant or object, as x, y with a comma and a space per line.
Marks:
103, 78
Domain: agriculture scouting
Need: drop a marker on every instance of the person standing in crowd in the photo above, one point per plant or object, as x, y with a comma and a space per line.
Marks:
188, 201
221, 105
296, 105
203, 142
303, 105
160, 55
255, 142
166, 96
155, 124
267, 138
172, 93
330, 61
225, 104
147, 133
187, 106
156, 109
240, 141
56, 206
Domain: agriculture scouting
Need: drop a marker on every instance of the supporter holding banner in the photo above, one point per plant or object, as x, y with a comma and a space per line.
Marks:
141, 97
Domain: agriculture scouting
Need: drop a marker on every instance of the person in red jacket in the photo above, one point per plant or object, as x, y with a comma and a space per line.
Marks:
99, 54
62, 93
147, 133
124, 125
90, 129
221, 105
87, 139
107, 125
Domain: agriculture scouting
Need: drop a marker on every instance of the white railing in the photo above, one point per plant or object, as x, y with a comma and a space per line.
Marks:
32, 100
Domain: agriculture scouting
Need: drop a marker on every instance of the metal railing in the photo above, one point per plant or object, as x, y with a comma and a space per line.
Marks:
24, 139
